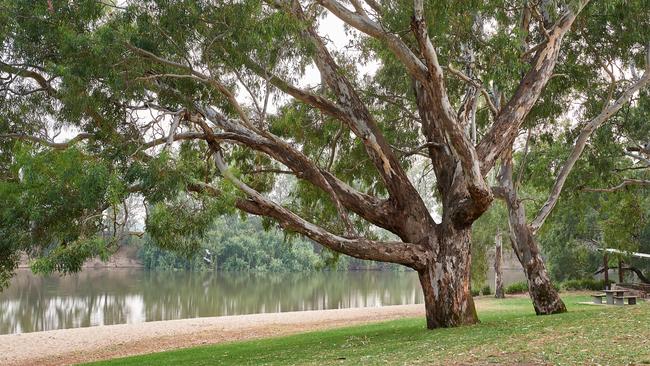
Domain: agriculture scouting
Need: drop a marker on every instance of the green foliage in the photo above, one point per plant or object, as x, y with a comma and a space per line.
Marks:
486, 290
181, 224
584, 284
230, 244
71, 257
484, 232
589, 221
52, 208
475, 292
516, 288
563, 241
234, 244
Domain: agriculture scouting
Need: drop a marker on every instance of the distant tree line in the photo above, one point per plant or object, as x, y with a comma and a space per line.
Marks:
236, 244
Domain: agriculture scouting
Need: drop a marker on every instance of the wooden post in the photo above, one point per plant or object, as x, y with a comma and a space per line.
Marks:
498, 271
606, 270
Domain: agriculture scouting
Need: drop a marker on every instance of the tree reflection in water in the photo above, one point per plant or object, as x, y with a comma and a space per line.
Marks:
102, 297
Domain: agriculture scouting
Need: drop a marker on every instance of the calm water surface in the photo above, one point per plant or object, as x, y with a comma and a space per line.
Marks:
102, 297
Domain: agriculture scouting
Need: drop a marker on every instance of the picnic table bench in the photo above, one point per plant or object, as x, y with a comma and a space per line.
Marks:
614, 297
620, 300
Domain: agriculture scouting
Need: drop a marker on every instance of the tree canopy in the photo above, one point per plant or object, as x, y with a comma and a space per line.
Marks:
203, 108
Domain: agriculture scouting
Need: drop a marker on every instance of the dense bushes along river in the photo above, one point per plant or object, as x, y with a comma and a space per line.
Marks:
244, 245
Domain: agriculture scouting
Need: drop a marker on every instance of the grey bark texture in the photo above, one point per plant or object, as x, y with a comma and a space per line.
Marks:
498, 267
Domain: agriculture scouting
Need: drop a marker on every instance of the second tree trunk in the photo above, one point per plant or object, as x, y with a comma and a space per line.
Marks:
498, 270
546, 299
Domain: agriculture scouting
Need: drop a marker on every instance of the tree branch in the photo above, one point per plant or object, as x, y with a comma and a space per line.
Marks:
486, 95
580, 144
364, 24
376, 211
42, 141
463, 149
361, 122
40, 79
638, 157
625, 183
504, 130
408, 254
316, 101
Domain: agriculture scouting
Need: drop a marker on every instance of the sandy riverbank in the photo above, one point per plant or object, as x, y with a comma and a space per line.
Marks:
70, 346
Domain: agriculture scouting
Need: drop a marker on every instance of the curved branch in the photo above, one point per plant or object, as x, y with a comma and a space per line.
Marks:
580, 145
638, 157
40, 79
364, 24
175, 137
193, 74
42, 141
379, 212
408, 254
625, 183
486, 95
316, 101
504, 130
361, 122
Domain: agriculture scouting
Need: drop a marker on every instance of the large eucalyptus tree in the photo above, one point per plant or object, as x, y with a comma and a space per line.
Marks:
200, 107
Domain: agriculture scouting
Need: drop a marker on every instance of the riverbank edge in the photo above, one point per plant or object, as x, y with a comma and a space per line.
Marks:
77, 345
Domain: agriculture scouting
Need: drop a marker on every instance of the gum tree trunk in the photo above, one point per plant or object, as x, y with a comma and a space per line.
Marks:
446, 283
606, 270
546, 299
621, 271
498, 270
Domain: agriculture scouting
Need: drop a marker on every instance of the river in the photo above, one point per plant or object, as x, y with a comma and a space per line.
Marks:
102, 297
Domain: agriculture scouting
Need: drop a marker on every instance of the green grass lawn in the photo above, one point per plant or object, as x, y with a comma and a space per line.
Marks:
509, 333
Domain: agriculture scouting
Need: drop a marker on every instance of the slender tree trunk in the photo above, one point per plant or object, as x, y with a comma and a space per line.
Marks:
446, 282
606, 270
546, 299
498, 270
621, 271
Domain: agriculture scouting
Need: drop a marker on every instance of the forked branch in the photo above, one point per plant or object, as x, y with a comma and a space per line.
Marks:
581, 142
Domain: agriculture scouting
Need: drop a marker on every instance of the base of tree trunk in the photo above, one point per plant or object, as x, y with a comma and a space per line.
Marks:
446, 284
546, 299
446, 310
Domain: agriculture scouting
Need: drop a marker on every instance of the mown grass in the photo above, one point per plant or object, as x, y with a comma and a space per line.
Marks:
509, 333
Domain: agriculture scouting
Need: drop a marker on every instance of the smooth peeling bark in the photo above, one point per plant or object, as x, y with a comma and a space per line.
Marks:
445, 283
546, 299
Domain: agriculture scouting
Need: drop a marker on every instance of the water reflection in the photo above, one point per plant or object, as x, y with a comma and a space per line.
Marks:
102, 297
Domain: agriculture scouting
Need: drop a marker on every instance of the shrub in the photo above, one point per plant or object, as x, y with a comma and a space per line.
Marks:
517, 288
584, 284
475, 292
486, 290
